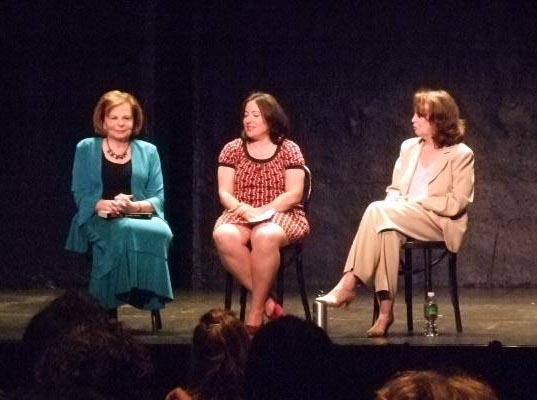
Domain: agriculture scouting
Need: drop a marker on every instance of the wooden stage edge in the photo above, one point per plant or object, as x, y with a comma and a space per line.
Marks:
499, 341
507, 316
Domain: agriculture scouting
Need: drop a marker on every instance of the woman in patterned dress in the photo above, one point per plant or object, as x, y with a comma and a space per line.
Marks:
260, 184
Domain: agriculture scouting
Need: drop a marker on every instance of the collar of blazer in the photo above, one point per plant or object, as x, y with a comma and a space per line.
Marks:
413, 158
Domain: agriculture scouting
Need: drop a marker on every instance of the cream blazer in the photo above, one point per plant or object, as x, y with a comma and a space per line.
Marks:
450, 190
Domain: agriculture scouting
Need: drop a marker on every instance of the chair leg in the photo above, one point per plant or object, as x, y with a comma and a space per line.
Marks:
428, 268
112, 313
244, 294
376, 309
280, 282
302, 286
407, 271
156, 321
453, 285
229, 291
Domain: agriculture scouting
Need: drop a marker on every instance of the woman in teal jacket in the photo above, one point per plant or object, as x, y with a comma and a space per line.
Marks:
114, 176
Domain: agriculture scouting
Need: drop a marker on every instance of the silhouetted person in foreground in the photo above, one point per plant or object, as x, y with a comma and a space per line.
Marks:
59, 317
432, 385
219, 353
101, 360
290, 358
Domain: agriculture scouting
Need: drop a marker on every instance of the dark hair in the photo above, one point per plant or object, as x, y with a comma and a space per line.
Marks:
290, 358
58, 317
105, 358
441, 110
219, 353
272, 113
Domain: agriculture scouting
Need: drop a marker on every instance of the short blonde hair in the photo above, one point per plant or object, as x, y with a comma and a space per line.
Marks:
112, 99
439, 107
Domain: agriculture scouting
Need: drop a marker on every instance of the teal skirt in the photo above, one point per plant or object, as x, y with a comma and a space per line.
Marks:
130, 262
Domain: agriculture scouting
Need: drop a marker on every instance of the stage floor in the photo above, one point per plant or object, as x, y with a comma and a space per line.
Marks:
508, 316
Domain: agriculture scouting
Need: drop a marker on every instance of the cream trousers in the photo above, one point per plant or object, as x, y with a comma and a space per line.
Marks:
374, 255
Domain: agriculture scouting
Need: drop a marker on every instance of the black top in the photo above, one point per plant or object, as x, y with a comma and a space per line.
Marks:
116, 178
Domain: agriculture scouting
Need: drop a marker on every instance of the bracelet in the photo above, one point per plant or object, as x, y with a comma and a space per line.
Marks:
236, 207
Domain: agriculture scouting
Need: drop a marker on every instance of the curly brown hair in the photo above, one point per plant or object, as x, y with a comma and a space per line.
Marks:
439, 107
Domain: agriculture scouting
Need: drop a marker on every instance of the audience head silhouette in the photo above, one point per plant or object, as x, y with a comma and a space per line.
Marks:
290, 359
106, 359
432, 385
219, 353
58, 317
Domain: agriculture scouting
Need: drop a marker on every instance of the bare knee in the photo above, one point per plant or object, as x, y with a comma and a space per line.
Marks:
267, 240
225, 237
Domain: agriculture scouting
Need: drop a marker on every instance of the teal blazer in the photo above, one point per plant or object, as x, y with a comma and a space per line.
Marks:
87, 185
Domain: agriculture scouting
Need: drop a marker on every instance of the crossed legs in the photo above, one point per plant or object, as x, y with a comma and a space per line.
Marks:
373, 258
252, 256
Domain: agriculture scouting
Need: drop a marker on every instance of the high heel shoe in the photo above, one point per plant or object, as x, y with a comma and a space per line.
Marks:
277, 310
338, 297
253, 329
376, 331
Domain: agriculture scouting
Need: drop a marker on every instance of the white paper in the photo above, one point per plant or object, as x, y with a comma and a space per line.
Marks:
263, 217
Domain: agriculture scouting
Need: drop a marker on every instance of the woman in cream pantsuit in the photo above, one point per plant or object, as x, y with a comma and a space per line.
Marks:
432, 185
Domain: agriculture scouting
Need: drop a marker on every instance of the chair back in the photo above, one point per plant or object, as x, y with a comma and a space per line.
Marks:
308, 186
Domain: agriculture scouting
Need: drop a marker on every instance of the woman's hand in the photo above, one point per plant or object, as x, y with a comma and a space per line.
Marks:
108, 207
122, 204
125, 203
248, 212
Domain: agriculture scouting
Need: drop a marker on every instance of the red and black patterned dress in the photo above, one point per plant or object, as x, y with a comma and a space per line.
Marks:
258, 182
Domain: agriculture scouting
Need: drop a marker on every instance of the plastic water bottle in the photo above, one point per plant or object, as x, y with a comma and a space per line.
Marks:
430, 312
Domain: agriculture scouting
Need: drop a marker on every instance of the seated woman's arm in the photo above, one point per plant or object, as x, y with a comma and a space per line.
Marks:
84, 184
453, 201
294, 189
393, 191
226, 178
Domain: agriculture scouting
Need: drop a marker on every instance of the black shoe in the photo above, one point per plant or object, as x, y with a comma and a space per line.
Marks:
112, 313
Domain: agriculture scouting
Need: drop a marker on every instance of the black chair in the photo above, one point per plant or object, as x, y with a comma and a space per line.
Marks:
156, 320
407, 270
291, 254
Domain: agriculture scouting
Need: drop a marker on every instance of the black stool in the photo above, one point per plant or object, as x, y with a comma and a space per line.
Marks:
289, 254
156, 320
407, 269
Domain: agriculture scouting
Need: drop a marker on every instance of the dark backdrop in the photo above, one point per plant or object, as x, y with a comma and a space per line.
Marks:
345, 74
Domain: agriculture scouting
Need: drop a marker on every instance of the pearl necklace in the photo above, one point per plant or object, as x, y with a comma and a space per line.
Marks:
114, 155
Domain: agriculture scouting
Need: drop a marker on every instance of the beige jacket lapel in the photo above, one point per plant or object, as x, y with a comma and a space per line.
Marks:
413, 156
441, 163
